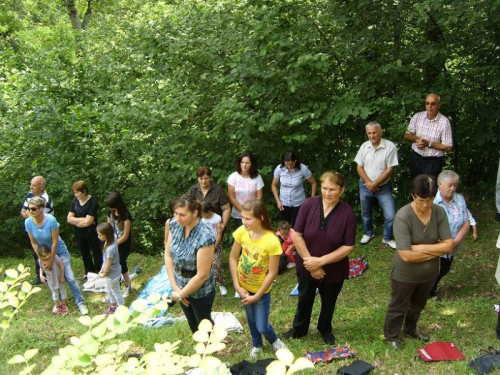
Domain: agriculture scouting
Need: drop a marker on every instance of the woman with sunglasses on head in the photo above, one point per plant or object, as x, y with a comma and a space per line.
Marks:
43, 229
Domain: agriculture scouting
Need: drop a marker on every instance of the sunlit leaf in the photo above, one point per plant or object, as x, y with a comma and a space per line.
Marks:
27, 370
104, 360
4, 287
200, 336
199, 348
13, 274
122, 313
212, 348
209, 362
85, 320
18, 358
20, 268
154, 298
301, 364
13, 301
26, 287
205, 325
276, 368
194, 360
139, 305
28, 354
97, 319
285, 356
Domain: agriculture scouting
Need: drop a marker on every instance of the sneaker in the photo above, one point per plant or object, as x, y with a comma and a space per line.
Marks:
55, 309
390, 243
105, 300
83, 309
278, 344
137, 270
127, 291
223, 290
290, 265
254, 352
36, 281
366, 238
63, 310
236, 295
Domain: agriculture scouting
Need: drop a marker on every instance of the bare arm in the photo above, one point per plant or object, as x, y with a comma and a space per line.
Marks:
219, 237
127, 225
301, 247
226, 213
362, 174
425, 252
232, 197
204, 260
106, 267
169, 263
61, 270
314, 185
233, 268
313, 263
53, 251
34, 244
80, 222
422, 143
25, 213
260, 192
461, 234
274, 188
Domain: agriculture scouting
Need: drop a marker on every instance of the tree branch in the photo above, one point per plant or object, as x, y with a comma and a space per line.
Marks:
73, 14
88, 14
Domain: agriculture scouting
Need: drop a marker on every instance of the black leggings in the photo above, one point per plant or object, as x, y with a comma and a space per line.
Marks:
124, 251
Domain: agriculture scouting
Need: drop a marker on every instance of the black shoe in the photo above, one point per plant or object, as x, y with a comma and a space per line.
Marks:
36, 282
291, 334
393, 344
329, 338
418, 335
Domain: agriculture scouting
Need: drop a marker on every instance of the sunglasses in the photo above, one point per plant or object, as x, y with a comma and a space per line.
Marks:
32, 209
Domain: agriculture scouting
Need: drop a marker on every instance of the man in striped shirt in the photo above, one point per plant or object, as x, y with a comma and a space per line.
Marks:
430, 134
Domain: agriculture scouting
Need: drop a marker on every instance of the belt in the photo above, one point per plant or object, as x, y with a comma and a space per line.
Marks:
427, 157
185, 273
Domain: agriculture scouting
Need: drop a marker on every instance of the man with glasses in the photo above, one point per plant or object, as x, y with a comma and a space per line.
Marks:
430, 134
37, 189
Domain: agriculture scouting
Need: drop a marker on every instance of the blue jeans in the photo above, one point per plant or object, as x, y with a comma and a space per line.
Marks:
384, 197
70, 278
258, 321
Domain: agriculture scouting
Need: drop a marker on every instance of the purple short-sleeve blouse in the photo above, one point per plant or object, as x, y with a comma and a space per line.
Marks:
325, 235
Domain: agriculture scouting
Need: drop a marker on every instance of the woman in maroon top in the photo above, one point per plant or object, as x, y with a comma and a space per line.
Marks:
325, 234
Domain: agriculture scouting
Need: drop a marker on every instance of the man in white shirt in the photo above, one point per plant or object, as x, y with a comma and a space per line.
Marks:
376, 159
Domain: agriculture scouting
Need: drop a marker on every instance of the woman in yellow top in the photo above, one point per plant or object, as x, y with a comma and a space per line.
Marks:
258, 250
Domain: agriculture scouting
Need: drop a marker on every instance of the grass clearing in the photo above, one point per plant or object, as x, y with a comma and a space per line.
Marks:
465, 316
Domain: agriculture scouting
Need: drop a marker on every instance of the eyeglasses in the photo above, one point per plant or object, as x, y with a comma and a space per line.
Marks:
430, 103
32, 209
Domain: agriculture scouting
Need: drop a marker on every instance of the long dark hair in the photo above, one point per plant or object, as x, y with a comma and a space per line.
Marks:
254, 169
258, 210
290, 155
115, 200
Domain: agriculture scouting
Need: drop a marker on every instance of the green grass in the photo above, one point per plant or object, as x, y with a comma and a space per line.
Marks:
465, 316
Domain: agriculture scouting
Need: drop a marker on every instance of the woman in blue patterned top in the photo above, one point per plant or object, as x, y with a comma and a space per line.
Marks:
189, 252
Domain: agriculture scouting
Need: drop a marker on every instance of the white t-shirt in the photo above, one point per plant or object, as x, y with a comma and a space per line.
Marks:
245, 189
212, 223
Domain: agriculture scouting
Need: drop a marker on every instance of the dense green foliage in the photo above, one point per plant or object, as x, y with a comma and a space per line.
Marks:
133, 96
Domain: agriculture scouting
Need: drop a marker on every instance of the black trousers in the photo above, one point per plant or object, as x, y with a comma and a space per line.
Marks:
289, 214
90, 247
307, 292
407, 302
37, 265
420, 165
444, 268
198, 309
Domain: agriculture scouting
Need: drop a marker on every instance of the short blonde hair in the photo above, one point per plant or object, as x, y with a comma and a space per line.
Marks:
333, 177
38, 202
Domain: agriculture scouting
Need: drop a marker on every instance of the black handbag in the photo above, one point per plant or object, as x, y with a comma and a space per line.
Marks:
358, 367
486, 362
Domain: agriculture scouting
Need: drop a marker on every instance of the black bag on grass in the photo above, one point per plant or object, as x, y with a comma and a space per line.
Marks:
356, 368
486, 362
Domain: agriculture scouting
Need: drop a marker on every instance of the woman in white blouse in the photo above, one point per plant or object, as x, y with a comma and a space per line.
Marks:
244, 184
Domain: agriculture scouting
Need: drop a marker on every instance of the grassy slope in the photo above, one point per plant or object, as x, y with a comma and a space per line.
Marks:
465, 316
